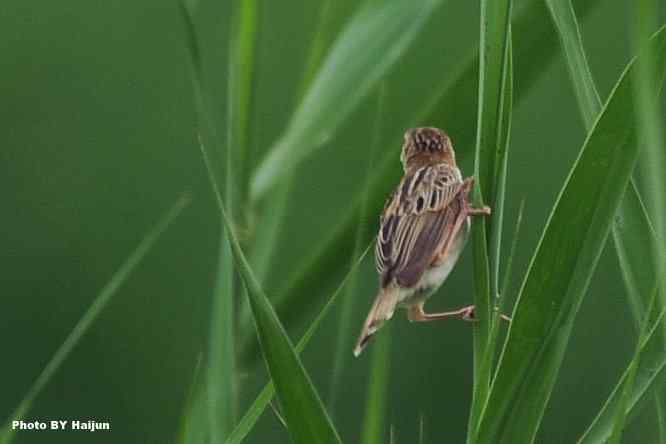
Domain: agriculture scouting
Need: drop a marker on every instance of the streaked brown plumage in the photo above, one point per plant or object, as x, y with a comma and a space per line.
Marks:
423, 230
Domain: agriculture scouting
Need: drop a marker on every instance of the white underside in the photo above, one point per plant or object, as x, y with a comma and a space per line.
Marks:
434, 277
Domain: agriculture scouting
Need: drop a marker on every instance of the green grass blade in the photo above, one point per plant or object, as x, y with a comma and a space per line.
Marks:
255, 410
627, 385
661, 415
252, 415
632, 231
561, 268
634, 238
648, 375
304, 412
220, 387
364, 52
376, 400
484, 362
492, 104
343, 343
587, 96
274, 213
651, 135
221, 379
502, 157
92, 313
482, 302
188, 433
495, 21
239, 89
509, 263
621, 413
533, 47
649, 119
490, 355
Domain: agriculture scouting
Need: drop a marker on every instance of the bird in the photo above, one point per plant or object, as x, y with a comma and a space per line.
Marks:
422, 231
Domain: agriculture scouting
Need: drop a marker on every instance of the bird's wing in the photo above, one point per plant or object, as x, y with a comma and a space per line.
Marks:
417, 219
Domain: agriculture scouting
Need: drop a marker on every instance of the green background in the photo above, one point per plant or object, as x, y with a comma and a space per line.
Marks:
98, 138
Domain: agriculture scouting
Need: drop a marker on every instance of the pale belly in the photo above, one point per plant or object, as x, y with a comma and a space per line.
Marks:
434, 277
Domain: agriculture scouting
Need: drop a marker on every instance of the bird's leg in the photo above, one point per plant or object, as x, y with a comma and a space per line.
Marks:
483, 211
415, 313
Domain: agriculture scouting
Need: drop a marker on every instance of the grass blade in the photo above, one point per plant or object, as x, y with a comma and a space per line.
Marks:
495, 20
274, 213
632, 231
266, 395
304, 412
648, 375
587, 96
627, 385
634, 238
220, 387
85, 322
364, 52
221, 381
240, 82
649, 120
493, 102
376, 403
188, 432
561, 268
343, 344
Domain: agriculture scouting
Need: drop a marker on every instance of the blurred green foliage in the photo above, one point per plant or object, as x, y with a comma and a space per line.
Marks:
99, 136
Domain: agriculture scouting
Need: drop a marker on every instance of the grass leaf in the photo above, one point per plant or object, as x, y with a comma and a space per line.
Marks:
304, 412
343, 342
561, 268
634, 238
649, 120
625, 388
189, 432
494, 101
587, 96
633, 234
273, 214
367, 48
376, 402
92, 313
239, 89
264, 398
221, 381
649, 374
221, 388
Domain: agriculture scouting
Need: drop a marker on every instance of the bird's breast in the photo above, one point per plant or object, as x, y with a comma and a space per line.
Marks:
435, 276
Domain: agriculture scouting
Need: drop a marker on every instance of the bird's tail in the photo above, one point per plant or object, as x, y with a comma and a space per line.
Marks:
381, 311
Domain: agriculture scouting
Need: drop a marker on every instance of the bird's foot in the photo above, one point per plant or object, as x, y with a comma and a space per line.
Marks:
468, 313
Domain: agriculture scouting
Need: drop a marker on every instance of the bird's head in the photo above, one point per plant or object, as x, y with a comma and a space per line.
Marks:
426, 146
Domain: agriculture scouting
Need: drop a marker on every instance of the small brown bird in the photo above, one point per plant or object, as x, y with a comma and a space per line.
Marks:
423, 230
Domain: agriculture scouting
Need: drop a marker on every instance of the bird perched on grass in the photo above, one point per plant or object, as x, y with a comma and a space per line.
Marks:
423, 230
